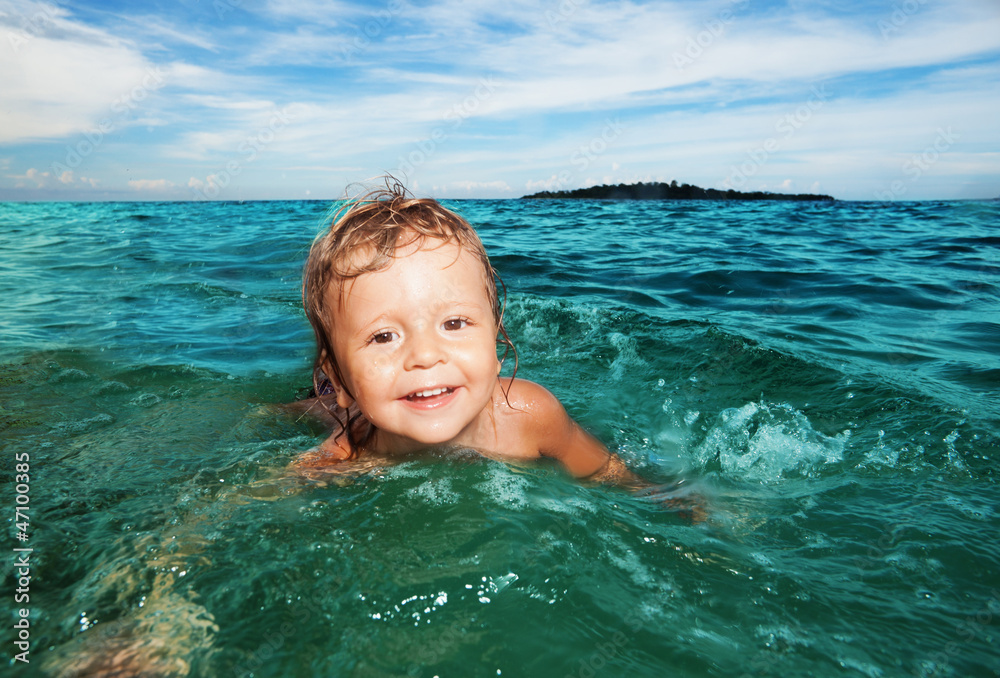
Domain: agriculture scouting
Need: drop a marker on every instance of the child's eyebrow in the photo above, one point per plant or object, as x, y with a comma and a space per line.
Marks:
465, 306
373, 323
464, 303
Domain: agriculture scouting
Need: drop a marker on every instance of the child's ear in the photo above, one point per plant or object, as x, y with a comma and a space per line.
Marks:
344, 398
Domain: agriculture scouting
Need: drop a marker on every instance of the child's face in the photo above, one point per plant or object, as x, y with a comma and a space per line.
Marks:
416, 344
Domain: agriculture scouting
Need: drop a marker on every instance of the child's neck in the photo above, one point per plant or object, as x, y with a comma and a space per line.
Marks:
479, 434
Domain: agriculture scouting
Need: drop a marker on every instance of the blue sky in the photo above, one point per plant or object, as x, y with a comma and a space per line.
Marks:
269, 99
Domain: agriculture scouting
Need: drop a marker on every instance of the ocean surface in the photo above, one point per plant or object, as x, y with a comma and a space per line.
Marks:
827, 376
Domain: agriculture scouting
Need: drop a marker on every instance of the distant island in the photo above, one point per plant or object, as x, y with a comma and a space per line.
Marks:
671, 191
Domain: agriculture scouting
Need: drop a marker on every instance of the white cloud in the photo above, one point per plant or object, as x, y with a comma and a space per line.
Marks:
150, 184
491, 186
227, 103
69, 178
40, 178
46, 180
146, 29
607, 55
318, 12
62, 76
551, 184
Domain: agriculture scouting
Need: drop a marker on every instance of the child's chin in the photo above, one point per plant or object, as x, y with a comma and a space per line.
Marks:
435, 438
435, 441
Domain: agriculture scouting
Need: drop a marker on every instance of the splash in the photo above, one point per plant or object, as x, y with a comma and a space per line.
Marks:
767, 442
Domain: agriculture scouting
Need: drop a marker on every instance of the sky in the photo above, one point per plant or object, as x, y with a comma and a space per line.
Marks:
297, 99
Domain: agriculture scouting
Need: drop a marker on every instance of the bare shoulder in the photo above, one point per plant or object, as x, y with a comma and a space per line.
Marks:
539, 417
532, 402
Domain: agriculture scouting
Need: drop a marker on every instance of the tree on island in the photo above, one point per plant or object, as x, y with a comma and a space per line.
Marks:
671, 191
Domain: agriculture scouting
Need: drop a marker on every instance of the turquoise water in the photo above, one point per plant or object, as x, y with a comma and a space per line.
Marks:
825, 375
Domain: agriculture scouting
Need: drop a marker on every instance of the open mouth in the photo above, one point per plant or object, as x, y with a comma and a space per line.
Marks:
430, 395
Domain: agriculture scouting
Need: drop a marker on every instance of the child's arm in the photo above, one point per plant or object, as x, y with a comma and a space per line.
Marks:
561, 438
558, 436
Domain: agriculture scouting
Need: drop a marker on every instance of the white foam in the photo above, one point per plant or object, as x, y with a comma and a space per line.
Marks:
970, 509
436, 491
781, 634
407, 469
765, 442
882, 454
954, 458
627, 359
627, 560
505, 486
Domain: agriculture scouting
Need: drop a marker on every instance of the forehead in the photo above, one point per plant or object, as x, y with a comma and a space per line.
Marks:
421, 271
411, 248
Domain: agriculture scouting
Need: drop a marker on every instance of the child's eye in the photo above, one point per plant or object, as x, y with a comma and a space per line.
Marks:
382, 337
455, 324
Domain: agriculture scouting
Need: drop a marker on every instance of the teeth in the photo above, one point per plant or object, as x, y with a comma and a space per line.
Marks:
429, 393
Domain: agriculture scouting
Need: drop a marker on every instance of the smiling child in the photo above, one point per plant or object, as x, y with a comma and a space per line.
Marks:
404, 305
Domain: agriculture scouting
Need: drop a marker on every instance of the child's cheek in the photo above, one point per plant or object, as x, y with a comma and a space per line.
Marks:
380, 368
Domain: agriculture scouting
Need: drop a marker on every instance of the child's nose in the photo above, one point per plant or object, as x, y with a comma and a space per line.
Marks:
425, 351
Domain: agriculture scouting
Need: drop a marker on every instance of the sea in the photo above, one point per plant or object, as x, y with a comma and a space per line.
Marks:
825, 376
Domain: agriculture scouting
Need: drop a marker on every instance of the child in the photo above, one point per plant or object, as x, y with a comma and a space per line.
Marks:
403, 302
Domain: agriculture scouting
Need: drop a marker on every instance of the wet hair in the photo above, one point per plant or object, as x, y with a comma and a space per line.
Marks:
363, 237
